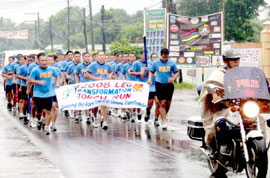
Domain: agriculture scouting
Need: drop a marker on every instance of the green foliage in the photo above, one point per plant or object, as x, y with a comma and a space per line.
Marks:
238, 16
184, 85
123, 46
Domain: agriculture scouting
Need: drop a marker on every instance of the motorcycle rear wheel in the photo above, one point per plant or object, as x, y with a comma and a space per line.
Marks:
258, 161
216, 168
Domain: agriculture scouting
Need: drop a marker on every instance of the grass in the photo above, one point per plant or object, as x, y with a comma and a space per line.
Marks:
184, 85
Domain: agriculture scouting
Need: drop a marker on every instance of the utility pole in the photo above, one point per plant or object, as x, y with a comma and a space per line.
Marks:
102, 28
68, 28
38, 31
84, 30
91, 26
51, 34
37, 28
36, 34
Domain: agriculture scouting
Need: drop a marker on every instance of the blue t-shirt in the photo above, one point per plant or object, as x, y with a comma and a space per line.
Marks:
97, 70
72, 71
47, 74
118, 70
31, 67
113, 64
153, 84
23, 71
59, 74
15, 65
58, 65
17, 70
164, 70
138, 66
65, 65
81, 69
127, 67
6, 69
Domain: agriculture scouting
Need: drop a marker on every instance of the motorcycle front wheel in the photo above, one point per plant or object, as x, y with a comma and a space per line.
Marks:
216, 168
258, 161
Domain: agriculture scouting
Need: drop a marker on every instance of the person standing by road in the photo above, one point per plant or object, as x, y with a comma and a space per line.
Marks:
166, 73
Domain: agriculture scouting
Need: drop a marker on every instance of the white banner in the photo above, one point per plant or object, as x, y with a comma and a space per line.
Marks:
111, 93
22, 34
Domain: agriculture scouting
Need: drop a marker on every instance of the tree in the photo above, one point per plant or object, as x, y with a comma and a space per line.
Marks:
133, 32
124, 46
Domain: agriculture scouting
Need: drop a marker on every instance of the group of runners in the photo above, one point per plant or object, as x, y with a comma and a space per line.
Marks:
30, 84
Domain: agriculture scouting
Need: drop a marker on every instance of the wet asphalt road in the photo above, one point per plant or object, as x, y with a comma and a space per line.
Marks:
134, 150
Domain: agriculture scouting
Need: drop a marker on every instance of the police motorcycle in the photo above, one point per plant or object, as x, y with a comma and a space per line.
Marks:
239, 140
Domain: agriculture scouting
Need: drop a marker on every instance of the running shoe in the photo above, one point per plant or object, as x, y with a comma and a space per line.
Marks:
53, 128
104, 125
139, 116
33, 123
95, 123
66, 113
156, 123
146, 118
80, 117
164, 125
88, 121
46, 132
25, 120
39, 124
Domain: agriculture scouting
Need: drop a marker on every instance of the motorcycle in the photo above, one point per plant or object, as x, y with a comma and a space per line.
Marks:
239, 140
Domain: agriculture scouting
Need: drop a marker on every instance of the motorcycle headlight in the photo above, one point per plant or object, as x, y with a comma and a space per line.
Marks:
251, 109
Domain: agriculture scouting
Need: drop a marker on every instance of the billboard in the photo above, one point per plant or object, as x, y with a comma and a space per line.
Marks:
195, 41
22, 34
154, 29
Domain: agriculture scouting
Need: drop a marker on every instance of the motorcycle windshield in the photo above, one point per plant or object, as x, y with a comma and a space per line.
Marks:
245, 83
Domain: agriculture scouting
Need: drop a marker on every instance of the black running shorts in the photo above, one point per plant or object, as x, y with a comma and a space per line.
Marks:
164, 91
43, 103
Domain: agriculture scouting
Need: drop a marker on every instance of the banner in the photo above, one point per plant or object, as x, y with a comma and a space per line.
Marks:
22, 34
154, 29
193, 41
111, 93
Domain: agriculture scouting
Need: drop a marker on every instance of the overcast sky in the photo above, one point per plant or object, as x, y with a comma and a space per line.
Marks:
15, 9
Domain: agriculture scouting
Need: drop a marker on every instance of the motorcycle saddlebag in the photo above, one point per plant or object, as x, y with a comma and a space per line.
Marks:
195, 129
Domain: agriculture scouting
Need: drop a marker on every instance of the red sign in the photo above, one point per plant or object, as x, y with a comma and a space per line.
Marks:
174, 28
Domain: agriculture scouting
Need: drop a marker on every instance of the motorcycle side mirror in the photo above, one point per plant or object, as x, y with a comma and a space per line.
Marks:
212, 87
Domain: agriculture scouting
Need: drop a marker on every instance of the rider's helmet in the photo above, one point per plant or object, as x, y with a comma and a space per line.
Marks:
231, 54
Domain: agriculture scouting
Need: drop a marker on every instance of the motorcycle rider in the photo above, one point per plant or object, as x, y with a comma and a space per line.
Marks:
211, 110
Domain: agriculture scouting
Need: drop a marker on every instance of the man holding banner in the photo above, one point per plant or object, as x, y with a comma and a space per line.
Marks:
140, 70
100, 71
166, 73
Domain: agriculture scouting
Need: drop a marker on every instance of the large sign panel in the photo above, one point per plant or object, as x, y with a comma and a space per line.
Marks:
195, 41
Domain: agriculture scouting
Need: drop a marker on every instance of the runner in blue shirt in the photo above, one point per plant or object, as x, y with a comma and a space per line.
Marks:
99, 71
127, 76
23, 76
71, 72
166, 73
51, 62
80, 70
65, 63
14, 66
7, 72
140, 70
42, 77
152, 94
19, 88
69, 56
